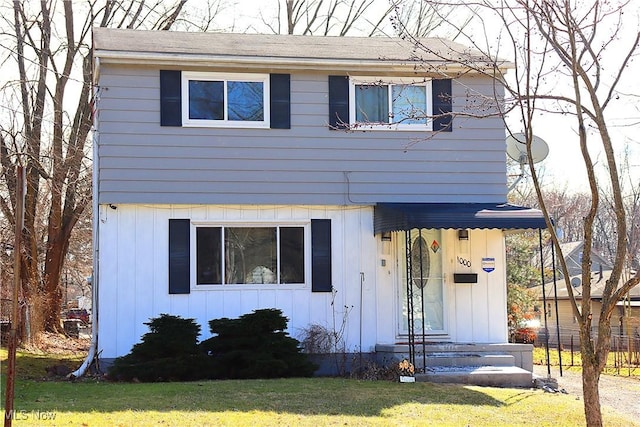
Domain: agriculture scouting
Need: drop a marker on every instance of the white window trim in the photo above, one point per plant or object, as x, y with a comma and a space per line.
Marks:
358, 80
238, 77
250, 286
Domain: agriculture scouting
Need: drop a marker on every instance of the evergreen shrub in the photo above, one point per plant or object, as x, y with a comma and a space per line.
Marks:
168, 352
252, 346
255, 346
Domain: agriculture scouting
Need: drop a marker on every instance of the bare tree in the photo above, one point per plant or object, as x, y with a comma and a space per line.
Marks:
48, 116
353, 17
424, 19
563, 65
207, 15
605, 224
326, 17
567, 209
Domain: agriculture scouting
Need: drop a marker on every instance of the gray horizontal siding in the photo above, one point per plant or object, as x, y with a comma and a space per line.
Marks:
142, 162
262, 187
372, 154
241, 176
306, 197
122, 167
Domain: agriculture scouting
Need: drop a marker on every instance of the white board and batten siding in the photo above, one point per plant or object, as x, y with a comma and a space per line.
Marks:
134, 279
142, 162
134, 273
478, 311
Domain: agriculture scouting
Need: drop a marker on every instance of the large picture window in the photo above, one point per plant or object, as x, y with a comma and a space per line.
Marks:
214, 99
390, 104
250, 255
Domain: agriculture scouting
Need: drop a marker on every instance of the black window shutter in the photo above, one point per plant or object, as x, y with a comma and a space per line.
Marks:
179, 256
321, 255
280, 103
338, 102
170, 98
442, 105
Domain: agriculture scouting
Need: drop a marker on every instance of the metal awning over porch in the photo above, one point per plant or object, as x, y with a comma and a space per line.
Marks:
406, 216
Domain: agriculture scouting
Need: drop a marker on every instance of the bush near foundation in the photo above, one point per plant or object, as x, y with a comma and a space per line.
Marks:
169, 352
255, 346
252, 346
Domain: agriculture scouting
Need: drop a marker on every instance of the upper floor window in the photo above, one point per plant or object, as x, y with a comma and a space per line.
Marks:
233, 100
390, 103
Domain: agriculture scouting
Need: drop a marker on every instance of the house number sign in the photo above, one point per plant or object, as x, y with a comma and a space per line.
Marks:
463, 261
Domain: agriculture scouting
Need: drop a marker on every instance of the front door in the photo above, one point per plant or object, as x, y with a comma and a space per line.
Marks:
420, 290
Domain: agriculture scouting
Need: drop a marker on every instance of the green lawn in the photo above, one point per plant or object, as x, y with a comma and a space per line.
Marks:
616, 363
312, 402
306, 402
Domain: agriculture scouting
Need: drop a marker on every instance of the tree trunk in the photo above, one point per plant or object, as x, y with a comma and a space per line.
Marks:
55, 137
52, 292
590, 379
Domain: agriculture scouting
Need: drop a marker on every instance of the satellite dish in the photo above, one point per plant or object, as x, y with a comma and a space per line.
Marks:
575, 282
517, 148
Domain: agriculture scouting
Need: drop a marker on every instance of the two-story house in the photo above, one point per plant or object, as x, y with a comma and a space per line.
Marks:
345, 181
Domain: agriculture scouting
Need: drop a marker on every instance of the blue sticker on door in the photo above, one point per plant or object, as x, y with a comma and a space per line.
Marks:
488, 264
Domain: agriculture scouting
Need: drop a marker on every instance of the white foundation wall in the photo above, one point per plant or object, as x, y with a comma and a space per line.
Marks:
133, 275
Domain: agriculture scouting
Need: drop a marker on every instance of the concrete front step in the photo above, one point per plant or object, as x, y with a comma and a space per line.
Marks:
460, 354
465, 359
494, 376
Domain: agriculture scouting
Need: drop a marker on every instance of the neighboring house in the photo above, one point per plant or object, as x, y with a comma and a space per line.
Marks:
625, 321
238, 171
572, 252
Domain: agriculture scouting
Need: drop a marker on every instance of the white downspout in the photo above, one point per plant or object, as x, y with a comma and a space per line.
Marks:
96, 223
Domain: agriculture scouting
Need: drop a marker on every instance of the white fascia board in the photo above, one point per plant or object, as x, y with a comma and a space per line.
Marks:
308, 64
96, 70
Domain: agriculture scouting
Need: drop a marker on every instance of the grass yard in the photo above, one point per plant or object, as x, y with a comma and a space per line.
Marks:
301, 402
612, 368
305, 402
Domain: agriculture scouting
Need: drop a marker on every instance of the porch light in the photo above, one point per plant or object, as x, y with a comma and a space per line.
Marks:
463, 234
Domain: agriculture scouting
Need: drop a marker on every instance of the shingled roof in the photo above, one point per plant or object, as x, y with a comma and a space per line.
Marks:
135, 46
598, 282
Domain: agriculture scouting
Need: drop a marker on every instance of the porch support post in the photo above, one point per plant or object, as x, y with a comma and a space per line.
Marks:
555, 301
422, 285
544, 303
410, 324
